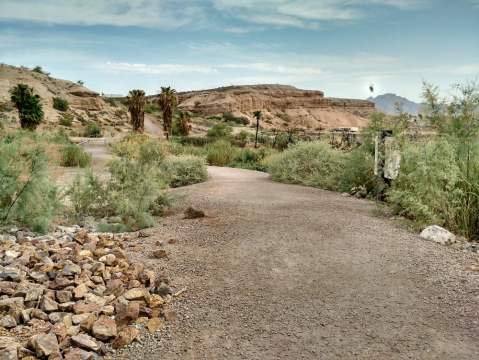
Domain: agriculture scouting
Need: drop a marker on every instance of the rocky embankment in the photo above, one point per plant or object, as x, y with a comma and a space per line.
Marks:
85, 105
282, 106
75, 295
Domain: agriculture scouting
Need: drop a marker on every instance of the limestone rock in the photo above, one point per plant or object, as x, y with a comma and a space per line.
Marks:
438, 234
86, 342
45, 344
125, 337
104, 328
155, 324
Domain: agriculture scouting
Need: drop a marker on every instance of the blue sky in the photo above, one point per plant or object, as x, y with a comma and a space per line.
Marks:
339, 46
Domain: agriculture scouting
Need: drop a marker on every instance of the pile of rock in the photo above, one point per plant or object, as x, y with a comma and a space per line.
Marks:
73, 294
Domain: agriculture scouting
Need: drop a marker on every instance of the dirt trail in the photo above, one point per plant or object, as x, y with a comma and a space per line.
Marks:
287, 272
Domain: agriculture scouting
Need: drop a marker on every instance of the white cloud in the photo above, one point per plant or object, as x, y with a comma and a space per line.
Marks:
306, 13
143, 13
159, 68
173, 14
293, 69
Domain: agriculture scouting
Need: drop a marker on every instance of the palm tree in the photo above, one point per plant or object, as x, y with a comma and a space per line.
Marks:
184, 126
136, 105
28, 105
167, 102
257, 114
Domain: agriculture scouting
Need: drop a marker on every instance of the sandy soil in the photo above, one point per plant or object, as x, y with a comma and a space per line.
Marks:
287, 272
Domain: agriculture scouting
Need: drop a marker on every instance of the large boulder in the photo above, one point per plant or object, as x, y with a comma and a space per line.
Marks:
438, 234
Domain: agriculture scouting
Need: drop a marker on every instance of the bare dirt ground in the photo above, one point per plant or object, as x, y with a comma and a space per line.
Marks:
287, 272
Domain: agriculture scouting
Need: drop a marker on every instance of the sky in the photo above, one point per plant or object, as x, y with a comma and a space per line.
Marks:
338, 46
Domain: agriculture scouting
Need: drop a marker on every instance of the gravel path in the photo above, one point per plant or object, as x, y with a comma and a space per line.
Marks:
287, 272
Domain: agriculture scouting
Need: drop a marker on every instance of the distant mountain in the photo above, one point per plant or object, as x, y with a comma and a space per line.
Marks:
387, 103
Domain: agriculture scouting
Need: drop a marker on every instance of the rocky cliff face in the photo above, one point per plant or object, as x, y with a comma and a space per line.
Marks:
282, 106
84, 105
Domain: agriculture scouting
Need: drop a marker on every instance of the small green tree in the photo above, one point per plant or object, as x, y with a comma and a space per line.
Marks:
28, 105
39, 69
136, 105
257, 114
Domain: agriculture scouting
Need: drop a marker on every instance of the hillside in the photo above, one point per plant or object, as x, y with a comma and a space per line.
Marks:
282, 106
84, 105
387, 103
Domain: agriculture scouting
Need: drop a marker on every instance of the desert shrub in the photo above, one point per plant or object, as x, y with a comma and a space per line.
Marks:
242, 138
92, 130
251, 159
141, 147
60, 104
184, 170
358, 174
39, 69
313, 164
219, 131
195, 140
220, 153
74, 155
28, 104
66, 120
133, 193
111, 101
152, 108
27, 197
229, 117
89, 196
427, 187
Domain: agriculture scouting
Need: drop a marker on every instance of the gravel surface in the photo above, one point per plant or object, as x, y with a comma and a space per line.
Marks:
280, 271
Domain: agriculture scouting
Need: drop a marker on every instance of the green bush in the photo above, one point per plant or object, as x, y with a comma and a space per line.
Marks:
92, 130
27, 197
240, 120
242, 138
220, 153
66, 120
152, 108
133, 193
184, 170
74, 155
251, 159
60, 104
30, 110
219, 131
427, 187
358, 174
313, 164
195, 140
39, 69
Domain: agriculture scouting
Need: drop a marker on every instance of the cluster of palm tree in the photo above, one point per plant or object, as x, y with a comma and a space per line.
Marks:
167, 102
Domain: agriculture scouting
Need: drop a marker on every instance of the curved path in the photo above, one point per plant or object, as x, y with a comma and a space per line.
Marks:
287, 272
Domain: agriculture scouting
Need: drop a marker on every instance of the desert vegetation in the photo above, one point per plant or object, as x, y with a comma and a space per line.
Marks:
438, 180
136, 106
28, 104
167, 102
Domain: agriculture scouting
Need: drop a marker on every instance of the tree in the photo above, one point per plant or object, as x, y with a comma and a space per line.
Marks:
167, 102
28, 105
183, 123
38, 69
136, 105
257, 114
